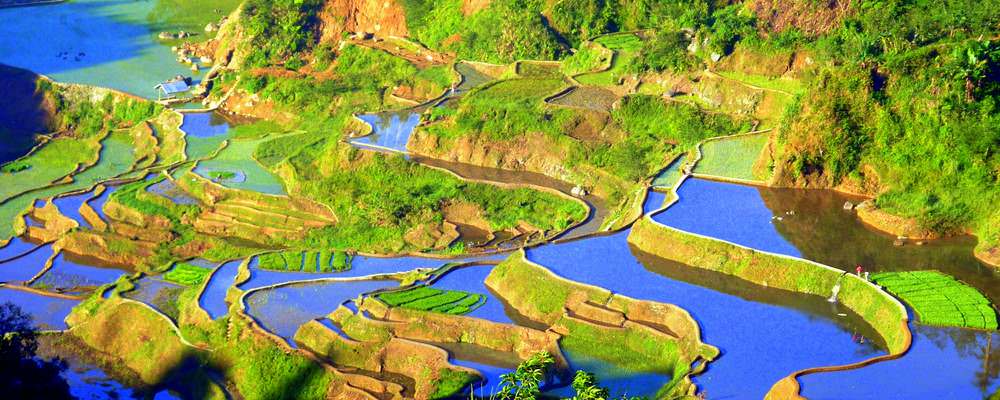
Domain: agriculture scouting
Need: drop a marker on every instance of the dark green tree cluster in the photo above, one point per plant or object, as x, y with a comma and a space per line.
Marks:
278, 30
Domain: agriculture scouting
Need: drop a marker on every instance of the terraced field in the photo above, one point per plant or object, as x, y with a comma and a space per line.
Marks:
424, 298
939, 299
733, 157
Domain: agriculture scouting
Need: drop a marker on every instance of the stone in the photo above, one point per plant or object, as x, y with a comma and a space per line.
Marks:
716, 57
167, 36
211, 27
578, 191
848, 206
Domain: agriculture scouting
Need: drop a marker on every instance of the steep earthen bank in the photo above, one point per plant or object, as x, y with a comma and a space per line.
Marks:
592, 320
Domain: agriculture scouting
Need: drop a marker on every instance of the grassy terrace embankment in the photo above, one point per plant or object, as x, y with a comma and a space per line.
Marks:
634, 334
886, 315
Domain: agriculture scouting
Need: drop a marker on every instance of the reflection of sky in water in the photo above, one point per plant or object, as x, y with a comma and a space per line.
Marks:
944, 363
734, 213
389, 130
24, 268
70, 207
750, 334
204, 124
15, 247
151, 291
66, 274
97, 42
282, 310
213, 300
471, 279
47, 312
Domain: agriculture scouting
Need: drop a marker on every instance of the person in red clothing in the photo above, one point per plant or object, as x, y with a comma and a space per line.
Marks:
859, 269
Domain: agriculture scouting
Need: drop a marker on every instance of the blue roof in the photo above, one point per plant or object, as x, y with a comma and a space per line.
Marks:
174, 87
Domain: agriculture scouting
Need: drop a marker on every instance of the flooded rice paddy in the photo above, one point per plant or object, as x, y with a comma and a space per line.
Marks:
390, 130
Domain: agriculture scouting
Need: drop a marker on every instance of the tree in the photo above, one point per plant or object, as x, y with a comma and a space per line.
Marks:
22, 374
525, 382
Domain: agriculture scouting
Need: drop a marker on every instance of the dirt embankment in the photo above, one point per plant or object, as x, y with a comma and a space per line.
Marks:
379, 17
810, 17
531, 152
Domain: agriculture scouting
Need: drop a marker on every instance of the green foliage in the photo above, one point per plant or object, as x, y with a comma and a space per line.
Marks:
363, 67
586, 59
425, 298
524, 383
579, 20
667, 51
15, 166
508, 109
502, 32
451, 382
654, 127
186, 274
939, 299
129, 112
278, 29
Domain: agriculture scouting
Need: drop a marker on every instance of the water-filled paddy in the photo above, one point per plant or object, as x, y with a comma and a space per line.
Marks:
284, 309
213, 299
157, 293
70, 206
27, 266
239, 170
944, 363
729, 212
471, 279
105, 43
390, 131
47, 312
749, 333
204, 132
70, 275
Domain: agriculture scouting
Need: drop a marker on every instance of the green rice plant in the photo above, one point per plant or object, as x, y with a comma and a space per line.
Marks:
309, 265
406, 296
621, 41
325, 257
341, 261
732, 157
273, 261
939, 299
293, 260
429, 303
186, 274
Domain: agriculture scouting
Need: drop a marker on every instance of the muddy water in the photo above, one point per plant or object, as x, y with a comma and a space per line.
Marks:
598, 206
822, 231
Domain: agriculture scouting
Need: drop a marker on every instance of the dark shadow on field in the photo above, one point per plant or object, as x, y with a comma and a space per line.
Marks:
193, 378
22, 113
69, 36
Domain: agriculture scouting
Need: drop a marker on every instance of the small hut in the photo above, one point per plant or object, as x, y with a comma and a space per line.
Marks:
172, 88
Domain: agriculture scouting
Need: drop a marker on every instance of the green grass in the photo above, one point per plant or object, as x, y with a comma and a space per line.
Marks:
786, 85
620, 41
939, 299
186, 274
116, 157
238, 157
425, 298
611, 77
732, 157
54, 160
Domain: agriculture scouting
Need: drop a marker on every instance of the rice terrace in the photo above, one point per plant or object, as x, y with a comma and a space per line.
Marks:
502, 200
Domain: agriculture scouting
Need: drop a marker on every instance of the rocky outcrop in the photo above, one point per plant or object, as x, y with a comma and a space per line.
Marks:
810, 17
382, 18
